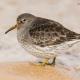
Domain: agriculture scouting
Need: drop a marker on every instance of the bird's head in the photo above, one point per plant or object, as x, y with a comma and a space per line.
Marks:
21, 19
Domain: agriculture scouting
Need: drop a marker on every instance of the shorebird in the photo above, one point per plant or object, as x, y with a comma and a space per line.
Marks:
38, 34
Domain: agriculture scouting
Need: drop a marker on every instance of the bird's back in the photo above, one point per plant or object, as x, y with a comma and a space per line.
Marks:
45, 32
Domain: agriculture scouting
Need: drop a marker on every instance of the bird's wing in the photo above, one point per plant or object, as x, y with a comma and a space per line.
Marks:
45, 32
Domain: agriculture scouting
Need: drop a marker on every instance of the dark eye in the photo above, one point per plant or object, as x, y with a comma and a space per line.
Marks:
23, 20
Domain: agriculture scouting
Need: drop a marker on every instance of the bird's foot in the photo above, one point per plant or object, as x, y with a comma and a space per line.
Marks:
45, 62
54, 61
42, 63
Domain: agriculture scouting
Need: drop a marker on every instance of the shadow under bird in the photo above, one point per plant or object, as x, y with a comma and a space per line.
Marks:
36, 33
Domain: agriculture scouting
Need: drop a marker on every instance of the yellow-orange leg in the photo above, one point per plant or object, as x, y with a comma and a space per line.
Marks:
46, 62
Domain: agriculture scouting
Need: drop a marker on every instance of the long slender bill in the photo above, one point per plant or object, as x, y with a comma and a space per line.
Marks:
10, 29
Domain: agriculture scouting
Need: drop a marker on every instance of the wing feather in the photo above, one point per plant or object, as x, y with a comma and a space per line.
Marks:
45, 32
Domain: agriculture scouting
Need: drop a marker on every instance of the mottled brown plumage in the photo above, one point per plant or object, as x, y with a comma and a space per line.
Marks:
45, 32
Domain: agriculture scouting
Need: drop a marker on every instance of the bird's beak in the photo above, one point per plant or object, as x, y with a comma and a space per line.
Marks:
10, 29
13, 27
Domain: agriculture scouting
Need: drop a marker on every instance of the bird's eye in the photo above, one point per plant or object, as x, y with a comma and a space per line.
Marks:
23, 20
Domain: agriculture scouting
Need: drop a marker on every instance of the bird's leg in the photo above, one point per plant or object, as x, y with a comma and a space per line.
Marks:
53, 62
44, 62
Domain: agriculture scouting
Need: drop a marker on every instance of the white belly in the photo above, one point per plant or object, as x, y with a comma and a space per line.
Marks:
38, 51
48, 52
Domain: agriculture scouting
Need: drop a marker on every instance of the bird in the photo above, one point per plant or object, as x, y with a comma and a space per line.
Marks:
37, 34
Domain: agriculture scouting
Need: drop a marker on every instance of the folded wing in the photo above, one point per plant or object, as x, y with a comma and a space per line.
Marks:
45, 32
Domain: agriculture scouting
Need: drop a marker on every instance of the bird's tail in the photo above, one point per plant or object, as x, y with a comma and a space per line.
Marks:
74, 36
77, 36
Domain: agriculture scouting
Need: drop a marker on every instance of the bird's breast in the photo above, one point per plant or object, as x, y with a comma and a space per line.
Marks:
22, 35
